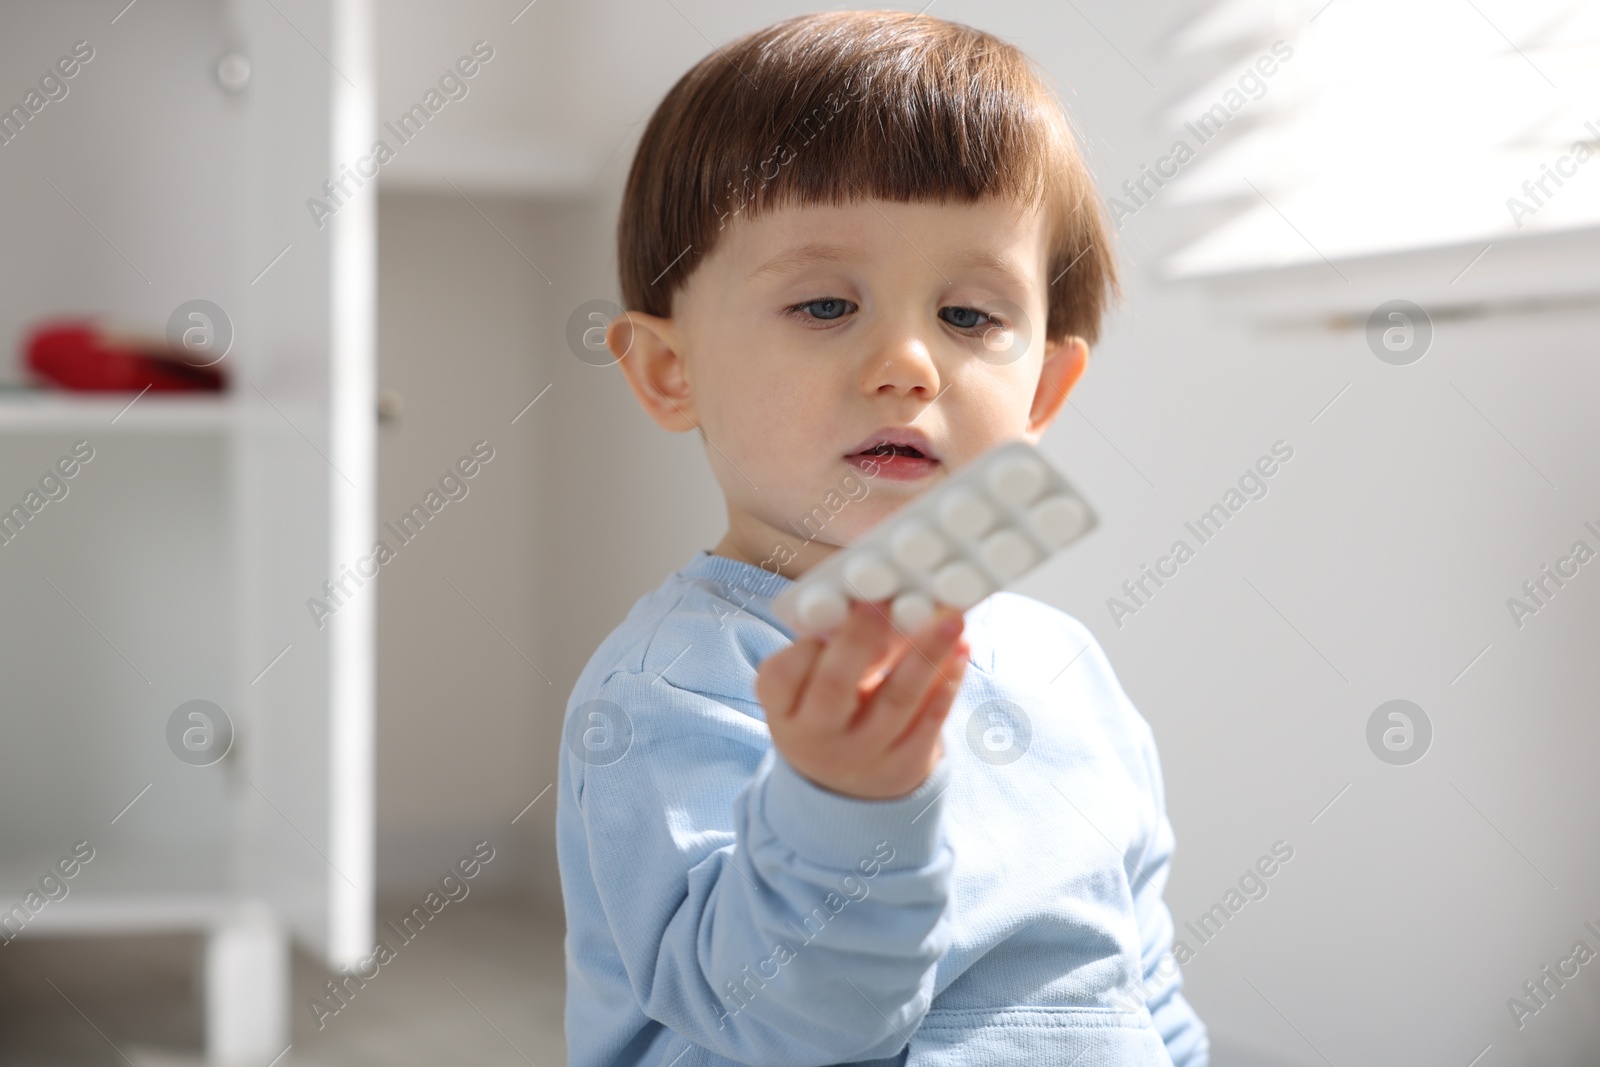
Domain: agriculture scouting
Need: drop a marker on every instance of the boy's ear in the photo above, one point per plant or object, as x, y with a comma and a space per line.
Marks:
648, 351
1064, 362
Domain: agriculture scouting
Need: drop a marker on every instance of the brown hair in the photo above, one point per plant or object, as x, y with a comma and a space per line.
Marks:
834, 107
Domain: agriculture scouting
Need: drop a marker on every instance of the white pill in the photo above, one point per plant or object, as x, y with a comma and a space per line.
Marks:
911, 611
917, 545
960, 584
1055, 520
871, 577
822, 607
965, 513
1007, 553
1016, 479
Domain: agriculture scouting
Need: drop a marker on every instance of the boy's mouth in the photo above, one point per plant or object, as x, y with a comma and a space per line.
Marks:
902, 455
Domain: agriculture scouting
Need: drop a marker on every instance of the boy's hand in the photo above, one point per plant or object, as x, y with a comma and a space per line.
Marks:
859, 711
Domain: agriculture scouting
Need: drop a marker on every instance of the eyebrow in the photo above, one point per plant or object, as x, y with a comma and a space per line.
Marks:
800, 257
994, 263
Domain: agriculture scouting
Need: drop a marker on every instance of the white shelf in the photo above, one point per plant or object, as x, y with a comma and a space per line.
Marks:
140, 887
55, 412
213, 509
157, 912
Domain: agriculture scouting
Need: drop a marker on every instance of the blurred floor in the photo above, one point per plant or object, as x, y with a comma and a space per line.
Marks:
483, 985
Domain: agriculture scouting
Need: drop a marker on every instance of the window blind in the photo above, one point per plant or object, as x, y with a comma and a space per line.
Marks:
1382, 127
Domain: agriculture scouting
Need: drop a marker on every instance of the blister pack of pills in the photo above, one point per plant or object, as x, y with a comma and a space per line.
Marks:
992, 521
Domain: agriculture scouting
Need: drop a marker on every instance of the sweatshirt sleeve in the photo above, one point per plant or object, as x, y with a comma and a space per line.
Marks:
1180, 1027
757, 914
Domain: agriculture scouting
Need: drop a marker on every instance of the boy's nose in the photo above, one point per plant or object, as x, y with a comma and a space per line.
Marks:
903, 365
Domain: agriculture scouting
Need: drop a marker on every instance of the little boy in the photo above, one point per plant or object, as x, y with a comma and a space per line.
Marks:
859, 249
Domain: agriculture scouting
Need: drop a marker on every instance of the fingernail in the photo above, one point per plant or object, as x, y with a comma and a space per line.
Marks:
950, 626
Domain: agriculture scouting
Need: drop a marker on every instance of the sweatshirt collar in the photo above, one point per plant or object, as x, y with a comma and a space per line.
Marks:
747, 576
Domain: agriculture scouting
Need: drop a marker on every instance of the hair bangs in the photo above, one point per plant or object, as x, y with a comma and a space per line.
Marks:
835, 108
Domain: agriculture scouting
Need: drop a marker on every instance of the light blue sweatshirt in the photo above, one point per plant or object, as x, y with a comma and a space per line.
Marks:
723, 909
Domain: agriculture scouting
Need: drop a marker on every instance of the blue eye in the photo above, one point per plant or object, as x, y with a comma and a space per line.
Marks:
978, 318
832, 303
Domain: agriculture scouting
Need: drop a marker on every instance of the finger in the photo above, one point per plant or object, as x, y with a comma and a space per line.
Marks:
936, 705
832, 690
782, 674
922, 728
881, 608
897, 645
903, 691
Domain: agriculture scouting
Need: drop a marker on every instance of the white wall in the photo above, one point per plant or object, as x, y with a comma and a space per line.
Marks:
458, 705
579, 513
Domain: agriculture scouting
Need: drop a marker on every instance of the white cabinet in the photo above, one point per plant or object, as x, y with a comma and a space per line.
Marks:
178, 564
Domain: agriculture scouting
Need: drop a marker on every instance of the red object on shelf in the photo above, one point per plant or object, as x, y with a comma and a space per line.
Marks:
79, 355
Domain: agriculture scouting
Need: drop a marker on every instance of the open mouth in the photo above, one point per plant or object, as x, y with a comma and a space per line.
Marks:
895, 462
893, 450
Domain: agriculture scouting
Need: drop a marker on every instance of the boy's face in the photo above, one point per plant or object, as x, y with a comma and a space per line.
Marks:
789, 364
